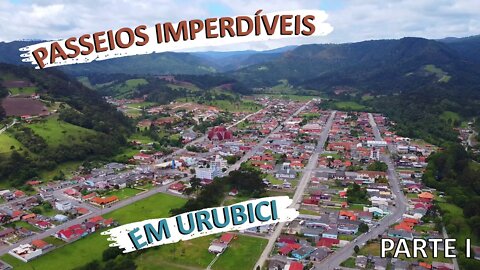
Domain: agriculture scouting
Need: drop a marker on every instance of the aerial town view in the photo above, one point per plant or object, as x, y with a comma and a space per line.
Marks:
371, 132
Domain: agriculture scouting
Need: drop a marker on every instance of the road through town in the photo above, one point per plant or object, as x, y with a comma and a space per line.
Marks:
312, 164
257, 147
345, 252
101, 211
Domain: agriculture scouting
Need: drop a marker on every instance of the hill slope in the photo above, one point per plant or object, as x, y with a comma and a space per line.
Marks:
379, 66
81, 126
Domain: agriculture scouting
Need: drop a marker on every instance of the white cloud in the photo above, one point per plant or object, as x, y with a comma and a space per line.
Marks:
353, 20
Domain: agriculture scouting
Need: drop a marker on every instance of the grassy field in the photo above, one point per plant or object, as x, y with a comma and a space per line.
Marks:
192, 253
454, 216
22, 224
85, 81
90, 248
54, 241
22, 90
127, 153
141, 138
451, 118
242, 254
234, 200
124, 89
141, 105
66, 257
309, 212
290, 97
349, 105
274, 180
124, 193
241, 106
6, 143
349, 263
57, 132
156, 206
367, 97
333, 155
441, 75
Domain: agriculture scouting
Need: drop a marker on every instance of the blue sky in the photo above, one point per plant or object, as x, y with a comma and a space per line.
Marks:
353, 20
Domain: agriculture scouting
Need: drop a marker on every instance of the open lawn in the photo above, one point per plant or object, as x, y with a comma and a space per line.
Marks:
242, 254
454, 219
274, 180
243, 125
54, 241
156, 206
127, 152
309, 212
141, 138
279, 192
441, 75
367, 97
124, 193
57, 132
141, 105
6, 143
333, 155
349, 105
290, 97
85, 81
233, 200
347, 237
67, 257
91, 247
240, 106
22, 224
22, 90
349, 263
135, 109
192, 253
451, 118
124, 89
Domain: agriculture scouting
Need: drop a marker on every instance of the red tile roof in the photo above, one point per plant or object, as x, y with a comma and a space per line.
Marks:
39, 243
296, 266
227, 238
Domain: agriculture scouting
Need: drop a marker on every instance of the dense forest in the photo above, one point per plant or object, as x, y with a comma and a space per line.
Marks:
453, 172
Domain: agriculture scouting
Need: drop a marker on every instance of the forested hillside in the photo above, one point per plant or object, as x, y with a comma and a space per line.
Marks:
91, 127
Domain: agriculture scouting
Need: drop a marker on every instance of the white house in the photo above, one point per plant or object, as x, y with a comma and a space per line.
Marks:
63, 205
25, 252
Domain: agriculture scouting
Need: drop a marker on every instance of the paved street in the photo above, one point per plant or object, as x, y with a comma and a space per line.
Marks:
312, 164
204, 137
344, 253
257, 147
99, 211
95, 211
8, 126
